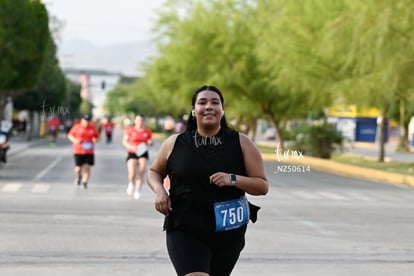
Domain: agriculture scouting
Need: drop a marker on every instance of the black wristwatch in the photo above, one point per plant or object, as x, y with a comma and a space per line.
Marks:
233, 179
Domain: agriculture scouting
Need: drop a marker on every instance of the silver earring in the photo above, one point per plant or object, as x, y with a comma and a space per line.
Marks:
193, 113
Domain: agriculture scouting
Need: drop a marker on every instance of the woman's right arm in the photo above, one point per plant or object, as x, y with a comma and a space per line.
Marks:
157, 173
125, 142
72, 138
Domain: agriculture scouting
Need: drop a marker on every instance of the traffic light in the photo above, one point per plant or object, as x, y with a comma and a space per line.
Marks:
103, 85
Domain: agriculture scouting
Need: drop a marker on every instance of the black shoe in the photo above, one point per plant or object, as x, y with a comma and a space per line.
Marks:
77, 180
85, 185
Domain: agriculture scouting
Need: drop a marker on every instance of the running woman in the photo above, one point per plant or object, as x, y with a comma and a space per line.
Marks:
136, 139
210, 167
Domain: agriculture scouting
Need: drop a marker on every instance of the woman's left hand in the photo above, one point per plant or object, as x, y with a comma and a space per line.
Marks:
162, 202
220, 179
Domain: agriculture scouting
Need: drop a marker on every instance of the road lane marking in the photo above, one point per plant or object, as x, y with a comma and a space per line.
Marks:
306, 195
317, 227
333, 196
358, 196
51, 166
384, 196
312, 225
40, 188
11, 188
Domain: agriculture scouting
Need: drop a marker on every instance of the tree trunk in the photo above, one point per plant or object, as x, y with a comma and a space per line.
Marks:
278, 131
403, 129
381, 138
253, 129
3, 102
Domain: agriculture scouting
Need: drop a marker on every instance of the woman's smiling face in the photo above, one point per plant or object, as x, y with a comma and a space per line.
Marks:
208, 108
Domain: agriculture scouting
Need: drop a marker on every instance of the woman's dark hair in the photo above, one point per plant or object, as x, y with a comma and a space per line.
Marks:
140, 115
191, 122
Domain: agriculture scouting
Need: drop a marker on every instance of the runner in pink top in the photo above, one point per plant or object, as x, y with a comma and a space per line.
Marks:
136, 139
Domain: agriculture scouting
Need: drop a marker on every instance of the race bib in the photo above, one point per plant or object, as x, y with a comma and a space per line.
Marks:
87, 145
141, 149
231, 214
3, 139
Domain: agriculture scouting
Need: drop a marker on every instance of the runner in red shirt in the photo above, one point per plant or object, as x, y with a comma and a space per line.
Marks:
84, 136
108, 128
53, 124
136, 139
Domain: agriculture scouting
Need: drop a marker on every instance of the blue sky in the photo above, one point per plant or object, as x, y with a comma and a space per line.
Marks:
105, 22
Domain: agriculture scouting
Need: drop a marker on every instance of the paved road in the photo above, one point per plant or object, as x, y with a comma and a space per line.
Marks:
311, 223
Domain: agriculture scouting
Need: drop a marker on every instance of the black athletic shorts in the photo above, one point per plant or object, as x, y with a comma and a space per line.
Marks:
216, 255
81, 159
53, 133
134, 156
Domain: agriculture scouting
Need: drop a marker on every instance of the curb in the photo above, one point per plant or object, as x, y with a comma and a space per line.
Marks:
348, 170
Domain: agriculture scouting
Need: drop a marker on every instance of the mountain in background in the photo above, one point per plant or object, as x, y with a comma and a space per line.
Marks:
124, 58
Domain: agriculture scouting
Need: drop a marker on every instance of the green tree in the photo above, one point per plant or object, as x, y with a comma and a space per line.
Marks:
23, 46
352, 51
379, 39
284, 59
216, 42
50, 89
73, 99
299, 74
130, 98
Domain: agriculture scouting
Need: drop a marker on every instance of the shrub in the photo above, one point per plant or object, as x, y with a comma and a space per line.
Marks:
319, 140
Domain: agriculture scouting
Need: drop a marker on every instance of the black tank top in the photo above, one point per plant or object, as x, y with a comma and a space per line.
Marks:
190, 164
